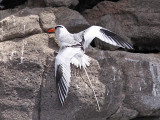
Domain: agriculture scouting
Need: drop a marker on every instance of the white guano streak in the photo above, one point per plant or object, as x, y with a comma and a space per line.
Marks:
114, 72
23, 43
155, 73
132, 60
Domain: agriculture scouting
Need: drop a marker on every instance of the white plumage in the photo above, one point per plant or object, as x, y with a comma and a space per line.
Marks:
72, 48
65, 56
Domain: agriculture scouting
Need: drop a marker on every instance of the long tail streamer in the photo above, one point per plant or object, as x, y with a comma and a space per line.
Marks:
92, 89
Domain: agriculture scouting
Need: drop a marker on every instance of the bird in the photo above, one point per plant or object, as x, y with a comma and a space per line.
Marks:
72, 51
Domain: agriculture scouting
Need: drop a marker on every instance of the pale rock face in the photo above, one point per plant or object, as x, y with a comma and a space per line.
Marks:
14, 27
47, 19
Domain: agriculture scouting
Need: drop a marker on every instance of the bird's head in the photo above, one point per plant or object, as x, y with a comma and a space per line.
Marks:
59, 30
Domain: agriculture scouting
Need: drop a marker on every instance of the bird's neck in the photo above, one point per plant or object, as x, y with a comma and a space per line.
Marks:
62, 36
62, 33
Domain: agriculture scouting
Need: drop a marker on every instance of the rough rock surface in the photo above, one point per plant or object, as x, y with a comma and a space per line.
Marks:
127, 84
36, 3
133, 79
72, 20
47, 19
13, 27
21, 76
61, 3
8, 12
139, 20
31, 21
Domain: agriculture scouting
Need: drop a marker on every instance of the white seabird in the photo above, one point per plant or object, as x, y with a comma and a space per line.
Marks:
71, 50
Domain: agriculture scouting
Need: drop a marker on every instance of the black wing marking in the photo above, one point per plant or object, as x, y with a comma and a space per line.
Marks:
104, 35
113, 37
63, 70
61, 84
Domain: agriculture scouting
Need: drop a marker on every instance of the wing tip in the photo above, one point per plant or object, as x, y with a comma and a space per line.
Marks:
60, 96
62, 93
62, 86
117, 39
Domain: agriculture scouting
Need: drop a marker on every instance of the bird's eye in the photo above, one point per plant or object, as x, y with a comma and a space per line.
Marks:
58, 27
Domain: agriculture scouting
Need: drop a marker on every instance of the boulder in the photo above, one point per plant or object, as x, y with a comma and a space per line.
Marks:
21, 76
36, 3
60, 3
30, 21
8, 12
139, 21
126, 84
29, 11
47, 19
15, 27
132, 81
71, 19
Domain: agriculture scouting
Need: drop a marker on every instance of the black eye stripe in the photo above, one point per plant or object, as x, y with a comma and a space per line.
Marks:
58, 26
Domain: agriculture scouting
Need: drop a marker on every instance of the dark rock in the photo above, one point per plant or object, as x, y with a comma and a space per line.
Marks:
123, 114
71, 19
139, 20
10, 4
60, 3
147, 118
86, 4
36, 3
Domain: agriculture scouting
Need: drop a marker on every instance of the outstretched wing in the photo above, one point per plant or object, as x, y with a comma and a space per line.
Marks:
104, 35
63, 71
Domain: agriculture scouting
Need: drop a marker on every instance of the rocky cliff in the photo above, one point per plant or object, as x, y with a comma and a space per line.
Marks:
127, 84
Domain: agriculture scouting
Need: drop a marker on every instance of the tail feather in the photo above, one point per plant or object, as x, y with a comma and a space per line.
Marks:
81, 60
